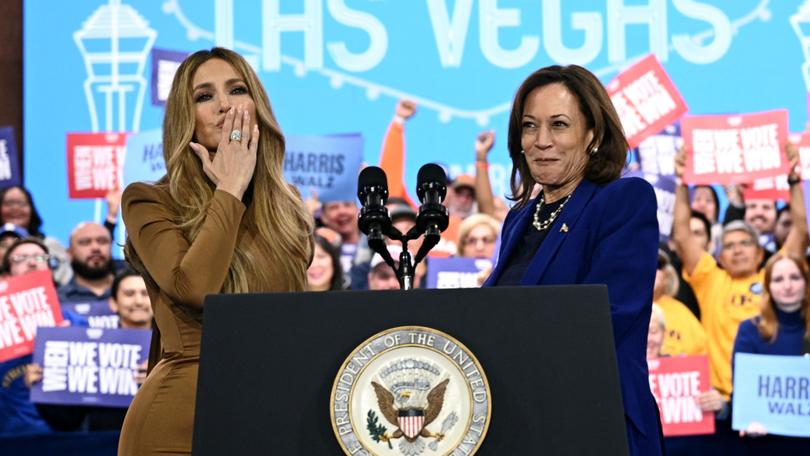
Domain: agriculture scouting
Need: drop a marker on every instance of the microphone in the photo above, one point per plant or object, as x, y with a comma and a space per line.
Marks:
372, 190
431, 189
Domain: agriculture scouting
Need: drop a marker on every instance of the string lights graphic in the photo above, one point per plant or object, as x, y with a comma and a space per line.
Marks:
446, 113
801, 25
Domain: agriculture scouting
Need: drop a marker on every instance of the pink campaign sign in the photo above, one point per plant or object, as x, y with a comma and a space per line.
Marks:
732, 149
645, 99
94, 163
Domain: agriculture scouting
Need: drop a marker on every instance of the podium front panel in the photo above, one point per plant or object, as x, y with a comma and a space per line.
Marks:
269, 362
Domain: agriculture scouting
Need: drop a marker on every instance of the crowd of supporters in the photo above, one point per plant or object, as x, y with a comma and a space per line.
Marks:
716, 288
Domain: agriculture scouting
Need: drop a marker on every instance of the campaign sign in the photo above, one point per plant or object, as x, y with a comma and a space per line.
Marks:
657, 153
645, 99
773, 391
676, 382
98, 313
327, 164
164, 65
26, 303
93, 163
770, 188
89, 366
9, 160
729, 149
455, 272
144, 158
664, 187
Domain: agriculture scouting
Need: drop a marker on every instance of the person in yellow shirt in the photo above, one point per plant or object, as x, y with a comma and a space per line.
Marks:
684, 334
729, 290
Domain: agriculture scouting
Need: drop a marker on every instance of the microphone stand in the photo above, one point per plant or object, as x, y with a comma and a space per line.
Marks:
406, 270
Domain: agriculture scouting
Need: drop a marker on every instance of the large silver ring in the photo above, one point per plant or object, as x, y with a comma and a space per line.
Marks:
236, 135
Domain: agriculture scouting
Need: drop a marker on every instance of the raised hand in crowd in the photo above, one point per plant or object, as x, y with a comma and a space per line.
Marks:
405, 110
113, 199
734, 194
688, 247
483, 144
483, 186
231, 167
796, 241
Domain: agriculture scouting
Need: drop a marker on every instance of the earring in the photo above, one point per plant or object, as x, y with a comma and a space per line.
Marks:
594, 150
522, 152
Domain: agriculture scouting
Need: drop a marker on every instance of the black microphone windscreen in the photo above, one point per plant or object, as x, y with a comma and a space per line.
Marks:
371, 176
430, 172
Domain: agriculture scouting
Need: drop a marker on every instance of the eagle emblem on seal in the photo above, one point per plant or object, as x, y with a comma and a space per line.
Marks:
410, 396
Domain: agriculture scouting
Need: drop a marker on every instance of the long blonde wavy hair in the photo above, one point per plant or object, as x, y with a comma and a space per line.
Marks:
275, 211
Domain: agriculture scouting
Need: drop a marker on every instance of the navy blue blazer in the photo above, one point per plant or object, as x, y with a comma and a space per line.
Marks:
612, 239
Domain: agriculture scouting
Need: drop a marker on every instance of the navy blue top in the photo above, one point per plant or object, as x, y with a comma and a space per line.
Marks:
72, 292
519, 261
789, 336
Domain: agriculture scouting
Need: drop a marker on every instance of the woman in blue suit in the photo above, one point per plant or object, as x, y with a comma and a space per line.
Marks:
586, 225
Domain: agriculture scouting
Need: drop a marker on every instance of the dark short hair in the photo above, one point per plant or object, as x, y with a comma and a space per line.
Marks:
123, 274
17, 243
707, 225
334, 254
35, 223
600, 116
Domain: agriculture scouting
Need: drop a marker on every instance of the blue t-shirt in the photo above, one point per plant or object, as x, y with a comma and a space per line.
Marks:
18, 415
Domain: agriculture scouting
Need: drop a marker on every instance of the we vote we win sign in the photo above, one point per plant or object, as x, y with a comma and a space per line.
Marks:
89, 366
732, 149
645, 99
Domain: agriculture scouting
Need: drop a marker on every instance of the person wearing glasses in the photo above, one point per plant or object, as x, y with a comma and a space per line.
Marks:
27, 255
477, 236
730, 289
18, 415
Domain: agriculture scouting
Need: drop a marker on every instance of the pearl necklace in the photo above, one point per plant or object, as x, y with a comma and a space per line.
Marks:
542, 226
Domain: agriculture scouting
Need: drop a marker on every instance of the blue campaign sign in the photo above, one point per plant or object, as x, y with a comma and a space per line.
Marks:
89, 366
656, 154
98, 313
144, 159
164, 65
329, 165
455, 272
9, 160
341, 66
664, 187
773, 391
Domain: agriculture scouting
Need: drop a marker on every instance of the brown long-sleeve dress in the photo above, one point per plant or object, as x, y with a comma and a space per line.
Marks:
161, 417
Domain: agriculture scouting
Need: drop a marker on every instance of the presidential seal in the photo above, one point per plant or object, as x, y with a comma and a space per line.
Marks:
410, 391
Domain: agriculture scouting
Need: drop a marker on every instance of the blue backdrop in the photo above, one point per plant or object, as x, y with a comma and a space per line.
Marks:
335, 66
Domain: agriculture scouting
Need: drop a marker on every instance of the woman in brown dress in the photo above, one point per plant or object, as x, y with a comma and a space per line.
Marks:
222, 220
